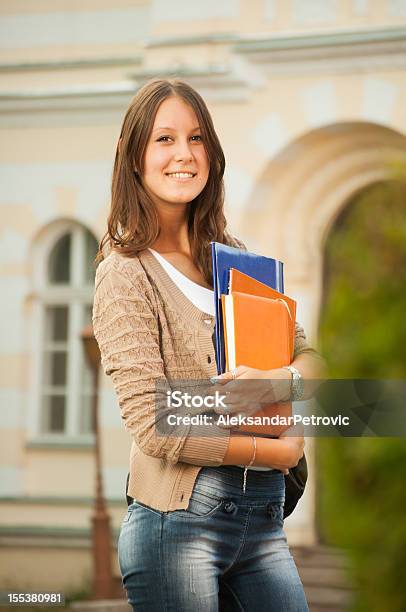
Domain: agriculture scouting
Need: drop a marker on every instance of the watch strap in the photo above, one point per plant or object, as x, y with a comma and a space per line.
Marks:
297, 385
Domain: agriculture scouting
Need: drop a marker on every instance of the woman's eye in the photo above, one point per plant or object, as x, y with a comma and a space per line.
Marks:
196, 138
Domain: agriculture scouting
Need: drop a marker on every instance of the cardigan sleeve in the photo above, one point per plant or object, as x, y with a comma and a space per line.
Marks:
301, 344
126, 329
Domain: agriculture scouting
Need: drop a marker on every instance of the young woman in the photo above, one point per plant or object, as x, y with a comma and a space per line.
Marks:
203, 533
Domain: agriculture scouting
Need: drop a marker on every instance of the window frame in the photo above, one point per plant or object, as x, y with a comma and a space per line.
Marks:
77, 296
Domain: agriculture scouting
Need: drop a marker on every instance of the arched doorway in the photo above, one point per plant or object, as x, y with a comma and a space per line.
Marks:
289, 215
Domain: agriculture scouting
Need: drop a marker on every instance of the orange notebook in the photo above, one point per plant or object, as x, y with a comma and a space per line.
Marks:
243, 283
257, 334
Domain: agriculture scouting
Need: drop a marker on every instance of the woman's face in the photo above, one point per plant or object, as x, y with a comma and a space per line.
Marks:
176, 166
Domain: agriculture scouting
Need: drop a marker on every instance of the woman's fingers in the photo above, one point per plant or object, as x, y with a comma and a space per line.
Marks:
236, 404
222, 379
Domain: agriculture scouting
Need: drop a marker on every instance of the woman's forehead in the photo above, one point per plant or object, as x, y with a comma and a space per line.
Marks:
174, 113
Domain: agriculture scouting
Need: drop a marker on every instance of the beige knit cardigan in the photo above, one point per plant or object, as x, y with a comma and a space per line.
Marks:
148, 330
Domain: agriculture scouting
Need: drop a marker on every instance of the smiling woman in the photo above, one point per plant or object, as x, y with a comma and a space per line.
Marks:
211, 540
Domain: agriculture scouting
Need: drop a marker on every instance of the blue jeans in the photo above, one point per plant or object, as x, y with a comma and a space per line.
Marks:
227, 551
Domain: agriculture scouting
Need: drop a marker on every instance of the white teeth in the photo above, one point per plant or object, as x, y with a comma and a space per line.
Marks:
181, 174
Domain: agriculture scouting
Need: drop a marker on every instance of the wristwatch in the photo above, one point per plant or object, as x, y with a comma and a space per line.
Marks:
297, 385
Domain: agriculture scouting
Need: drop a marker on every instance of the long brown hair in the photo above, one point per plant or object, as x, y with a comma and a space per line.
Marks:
133, 223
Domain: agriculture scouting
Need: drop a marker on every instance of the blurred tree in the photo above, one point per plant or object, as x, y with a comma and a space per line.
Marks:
362, 492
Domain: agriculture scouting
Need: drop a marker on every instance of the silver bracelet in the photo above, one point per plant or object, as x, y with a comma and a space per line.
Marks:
297, 384
254, 441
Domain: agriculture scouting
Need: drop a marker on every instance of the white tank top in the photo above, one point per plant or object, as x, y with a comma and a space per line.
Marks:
200, 297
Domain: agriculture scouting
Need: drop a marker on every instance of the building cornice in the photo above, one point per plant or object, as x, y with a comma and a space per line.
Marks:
215, 80
334, 38
182, 71
202, 39
112, 95
115, 88
253, 42
70, 64
338, 51
250, 61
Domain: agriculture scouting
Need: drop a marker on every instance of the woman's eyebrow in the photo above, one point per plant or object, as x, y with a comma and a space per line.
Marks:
172, 129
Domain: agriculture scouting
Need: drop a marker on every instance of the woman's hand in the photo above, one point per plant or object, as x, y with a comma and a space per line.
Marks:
251, 388
295, 439
290, 449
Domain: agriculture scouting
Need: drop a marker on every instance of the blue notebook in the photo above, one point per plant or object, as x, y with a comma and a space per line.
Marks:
264, 269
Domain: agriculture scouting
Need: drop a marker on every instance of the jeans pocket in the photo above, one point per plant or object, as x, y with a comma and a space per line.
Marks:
201, 506
136, 505
275, 512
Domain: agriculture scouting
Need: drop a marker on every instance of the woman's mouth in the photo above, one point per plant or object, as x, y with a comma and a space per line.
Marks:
181, 175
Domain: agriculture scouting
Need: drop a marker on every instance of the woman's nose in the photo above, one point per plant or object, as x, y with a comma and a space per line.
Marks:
183, 152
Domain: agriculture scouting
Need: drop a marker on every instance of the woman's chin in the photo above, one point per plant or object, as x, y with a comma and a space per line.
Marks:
180, 197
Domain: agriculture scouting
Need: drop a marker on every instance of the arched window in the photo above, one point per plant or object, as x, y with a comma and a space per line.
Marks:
66, 285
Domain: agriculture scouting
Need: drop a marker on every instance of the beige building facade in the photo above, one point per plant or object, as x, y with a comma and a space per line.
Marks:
308, 98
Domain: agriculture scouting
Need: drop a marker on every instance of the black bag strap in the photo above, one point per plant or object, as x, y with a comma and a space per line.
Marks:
129, 499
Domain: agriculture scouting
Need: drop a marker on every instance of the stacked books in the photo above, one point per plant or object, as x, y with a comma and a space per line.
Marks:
255, 321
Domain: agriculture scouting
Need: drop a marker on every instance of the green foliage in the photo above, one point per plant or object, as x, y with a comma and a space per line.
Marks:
362, 503
363, 327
